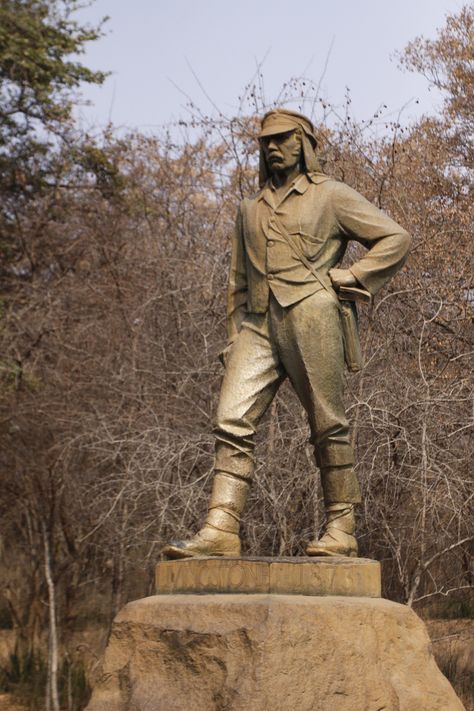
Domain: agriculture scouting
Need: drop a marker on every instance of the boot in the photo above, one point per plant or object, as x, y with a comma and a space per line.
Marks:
338, 537
220, 534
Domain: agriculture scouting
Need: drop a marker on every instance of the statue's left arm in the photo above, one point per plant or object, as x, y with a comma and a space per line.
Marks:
387, 243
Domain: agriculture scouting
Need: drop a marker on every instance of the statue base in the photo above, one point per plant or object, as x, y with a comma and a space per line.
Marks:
267, 652
354, 577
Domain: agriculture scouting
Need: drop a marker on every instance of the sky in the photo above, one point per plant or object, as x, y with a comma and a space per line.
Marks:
163, 52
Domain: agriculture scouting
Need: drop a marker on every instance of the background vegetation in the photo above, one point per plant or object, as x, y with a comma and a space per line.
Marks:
114, 254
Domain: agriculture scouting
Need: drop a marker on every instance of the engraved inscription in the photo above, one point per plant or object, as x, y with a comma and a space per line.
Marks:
343, 576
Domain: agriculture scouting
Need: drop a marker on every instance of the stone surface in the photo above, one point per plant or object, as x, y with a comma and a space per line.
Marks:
269, 653
358, 577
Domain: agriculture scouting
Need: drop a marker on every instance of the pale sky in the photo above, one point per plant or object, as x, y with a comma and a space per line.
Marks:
154, 46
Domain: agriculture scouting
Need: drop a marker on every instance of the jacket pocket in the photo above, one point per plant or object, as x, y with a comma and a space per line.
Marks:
310, 244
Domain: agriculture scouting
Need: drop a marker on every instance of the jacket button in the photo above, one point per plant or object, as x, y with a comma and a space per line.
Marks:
270, 277
271, 242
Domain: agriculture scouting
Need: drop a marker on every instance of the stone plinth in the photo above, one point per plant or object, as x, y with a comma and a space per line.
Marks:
357, 577
269, 653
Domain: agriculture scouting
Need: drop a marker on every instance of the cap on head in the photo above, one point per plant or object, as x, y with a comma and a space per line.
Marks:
283, 120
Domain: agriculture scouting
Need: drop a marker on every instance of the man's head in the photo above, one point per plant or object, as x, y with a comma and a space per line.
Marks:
286, 139
282, 151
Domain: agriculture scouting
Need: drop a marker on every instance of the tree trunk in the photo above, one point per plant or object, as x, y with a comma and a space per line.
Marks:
52, 694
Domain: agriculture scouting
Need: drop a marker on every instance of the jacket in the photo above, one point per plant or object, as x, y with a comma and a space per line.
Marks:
323, 215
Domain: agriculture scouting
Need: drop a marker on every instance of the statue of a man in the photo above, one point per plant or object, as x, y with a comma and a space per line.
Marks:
284, 320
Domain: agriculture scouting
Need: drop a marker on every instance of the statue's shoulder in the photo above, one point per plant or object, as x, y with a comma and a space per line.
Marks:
324, 188
330, 182
334, 188
320, 178
249, 201
254, 197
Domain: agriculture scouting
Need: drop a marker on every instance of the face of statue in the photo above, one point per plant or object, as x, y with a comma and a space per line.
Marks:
282, 151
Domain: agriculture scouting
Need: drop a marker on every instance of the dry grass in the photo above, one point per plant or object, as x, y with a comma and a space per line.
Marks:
8, 703
453, 647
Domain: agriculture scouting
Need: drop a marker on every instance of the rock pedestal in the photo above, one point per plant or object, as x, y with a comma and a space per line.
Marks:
264, 651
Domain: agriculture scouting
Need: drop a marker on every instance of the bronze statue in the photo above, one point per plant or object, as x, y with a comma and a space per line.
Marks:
290, 313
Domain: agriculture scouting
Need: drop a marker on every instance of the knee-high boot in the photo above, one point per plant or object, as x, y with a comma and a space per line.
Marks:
220, 534
338, 537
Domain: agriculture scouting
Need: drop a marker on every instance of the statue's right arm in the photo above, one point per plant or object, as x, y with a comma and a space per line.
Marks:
237, 290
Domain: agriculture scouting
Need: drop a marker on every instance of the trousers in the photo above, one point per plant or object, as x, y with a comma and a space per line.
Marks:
304, 343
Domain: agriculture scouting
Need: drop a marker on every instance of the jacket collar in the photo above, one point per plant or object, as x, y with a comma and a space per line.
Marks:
299, 185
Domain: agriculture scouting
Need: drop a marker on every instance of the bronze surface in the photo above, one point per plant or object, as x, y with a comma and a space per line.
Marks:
285, 319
